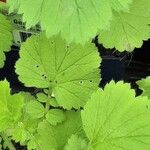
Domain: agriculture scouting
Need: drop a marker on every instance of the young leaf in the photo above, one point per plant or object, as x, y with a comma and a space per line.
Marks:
20, 133
5, 38
53, 102
115, 119
55, 137
76, 143
128, 29
35, 109
10, 106
144, 84
25, 129
76, 21
55, 116
71, 71
42, 97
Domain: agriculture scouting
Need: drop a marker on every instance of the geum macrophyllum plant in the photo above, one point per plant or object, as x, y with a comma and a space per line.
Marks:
71, 112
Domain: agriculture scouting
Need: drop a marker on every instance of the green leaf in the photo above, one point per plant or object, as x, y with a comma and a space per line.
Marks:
71, 71
76, 21
5, 38
20, 133
76, 143
55, 137
35, 109
11, 106
13, 5
144, 84
128, 29
41, 97
2, 5
119, 5
55, 116
31, 145
53, 102
25, 129
114, 119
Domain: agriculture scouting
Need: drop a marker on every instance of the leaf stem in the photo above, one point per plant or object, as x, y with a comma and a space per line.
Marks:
7, 141
47, 103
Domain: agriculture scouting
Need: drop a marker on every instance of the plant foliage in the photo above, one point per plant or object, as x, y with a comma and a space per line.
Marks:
69, 71
65, 16
70, 111
128, 29
144, 84
114, 119
5, 38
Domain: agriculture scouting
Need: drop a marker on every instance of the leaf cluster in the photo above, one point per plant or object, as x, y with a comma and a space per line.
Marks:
72, 112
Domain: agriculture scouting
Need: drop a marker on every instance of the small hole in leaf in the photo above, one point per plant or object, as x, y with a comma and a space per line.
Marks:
81, 82
56, 82
43, 75
37, 66
91, 81
50, 81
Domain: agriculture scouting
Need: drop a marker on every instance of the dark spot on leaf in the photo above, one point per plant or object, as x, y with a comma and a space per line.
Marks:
52, 42
56, 82
50, 81
81, 82
91, 81
37, 66
147, 106
67, 46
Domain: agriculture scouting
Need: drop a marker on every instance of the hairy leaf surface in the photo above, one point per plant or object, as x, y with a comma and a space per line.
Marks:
71, 71
128, 29
114, 119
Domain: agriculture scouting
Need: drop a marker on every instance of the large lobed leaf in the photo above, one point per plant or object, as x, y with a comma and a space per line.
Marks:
115, 119
128, 29
70, 71
76, 21
5, 38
